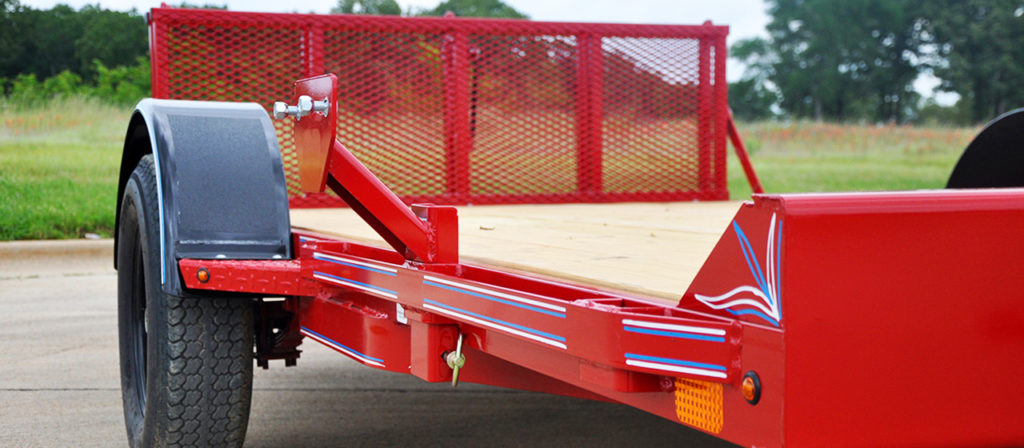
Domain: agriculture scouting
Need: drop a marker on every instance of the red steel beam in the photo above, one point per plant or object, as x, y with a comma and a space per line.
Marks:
619, 332
741, 153
589, 117
414, 237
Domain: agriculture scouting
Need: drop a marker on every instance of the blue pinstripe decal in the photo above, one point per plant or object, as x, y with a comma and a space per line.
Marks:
495, 299
675, 334
497, 321
376, 288
353, 265
342, 345
678, 362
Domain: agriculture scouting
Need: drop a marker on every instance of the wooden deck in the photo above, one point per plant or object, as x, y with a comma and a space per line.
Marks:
652, 249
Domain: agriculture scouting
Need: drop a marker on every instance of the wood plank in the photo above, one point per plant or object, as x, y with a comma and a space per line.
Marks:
652, 249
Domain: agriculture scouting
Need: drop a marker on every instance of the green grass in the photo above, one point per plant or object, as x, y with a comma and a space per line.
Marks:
58, 168
59, 163
822, 157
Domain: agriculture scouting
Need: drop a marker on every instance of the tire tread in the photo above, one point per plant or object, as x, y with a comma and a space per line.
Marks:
200, 372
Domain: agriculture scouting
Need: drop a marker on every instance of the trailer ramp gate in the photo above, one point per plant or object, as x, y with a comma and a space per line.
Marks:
460, 111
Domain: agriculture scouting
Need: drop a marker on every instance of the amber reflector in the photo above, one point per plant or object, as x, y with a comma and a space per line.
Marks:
699, 404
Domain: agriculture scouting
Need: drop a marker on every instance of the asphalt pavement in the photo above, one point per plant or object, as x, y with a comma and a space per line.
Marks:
60, 386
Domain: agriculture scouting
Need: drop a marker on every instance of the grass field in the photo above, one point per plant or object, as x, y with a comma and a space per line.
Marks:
58, 169
819, 157
58, 163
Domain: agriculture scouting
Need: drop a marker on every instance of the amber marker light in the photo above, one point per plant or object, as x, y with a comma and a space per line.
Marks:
751, 387
203, 275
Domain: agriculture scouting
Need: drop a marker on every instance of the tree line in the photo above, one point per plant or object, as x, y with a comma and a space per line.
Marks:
822, 59
858, 60
48, 42
62, 51
104, 53
461, 8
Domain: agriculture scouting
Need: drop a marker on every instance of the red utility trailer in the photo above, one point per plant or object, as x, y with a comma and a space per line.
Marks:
858, 319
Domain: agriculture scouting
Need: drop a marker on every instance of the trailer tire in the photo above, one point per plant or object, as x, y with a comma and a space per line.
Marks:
994, 158
186, 362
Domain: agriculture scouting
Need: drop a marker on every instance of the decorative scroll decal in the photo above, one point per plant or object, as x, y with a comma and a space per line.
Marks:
761, 300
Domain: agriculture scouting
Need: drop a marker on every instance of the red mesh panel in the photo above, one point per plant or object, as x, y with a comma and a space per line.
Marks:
391, 106
522, 116
457, 111
650, 115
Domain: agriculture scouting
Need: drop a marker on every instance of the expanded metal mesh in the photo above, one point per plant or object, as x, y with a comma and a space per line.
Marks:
457, 111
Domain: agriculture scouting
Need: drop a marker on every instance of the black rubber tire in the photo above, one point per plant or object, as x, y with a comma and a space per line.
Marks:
995, 157
186, 362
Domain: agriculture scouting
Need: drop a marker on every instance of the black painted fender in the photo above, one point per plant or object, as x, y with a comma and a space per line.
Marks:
220, 182
995, 158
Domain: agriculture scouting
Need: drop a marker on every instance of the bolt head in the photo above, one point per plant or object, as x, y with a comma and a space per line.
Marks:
305, 105
280, 110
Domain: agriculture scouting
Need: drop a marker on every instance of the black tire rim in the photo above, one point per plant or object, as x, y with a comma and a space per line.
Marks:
137, 329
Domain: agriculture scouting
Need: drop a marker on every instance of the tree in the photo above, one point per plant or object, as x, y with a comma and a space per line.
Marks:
475, 8
48, 42
890, 55
752, 97
974, 47
378, 7
198, 6
840, 60
10, 43
750, 101
47, 38
112, 37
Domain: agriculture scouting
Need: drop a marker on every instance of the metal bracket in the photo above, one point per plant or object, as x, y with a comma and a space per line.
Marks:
277, 333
